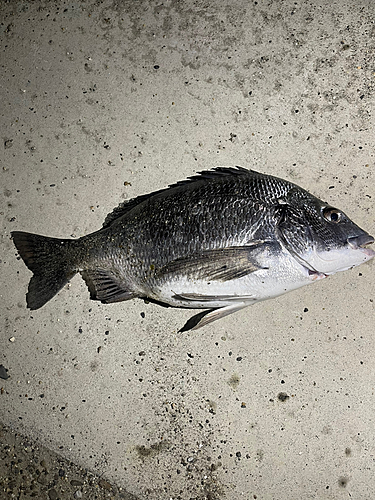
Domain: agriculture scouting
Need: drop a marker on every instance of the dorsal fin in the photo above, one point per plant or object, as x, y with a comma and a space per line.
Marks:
216, 172
126, 206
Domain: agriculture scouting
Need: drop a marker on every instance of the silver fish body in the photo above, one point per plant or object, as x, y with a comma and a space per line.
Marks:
219, 241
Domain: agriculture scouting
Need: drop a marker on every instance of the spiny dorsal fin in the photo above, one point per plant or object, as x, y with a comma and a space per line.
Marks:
216, 172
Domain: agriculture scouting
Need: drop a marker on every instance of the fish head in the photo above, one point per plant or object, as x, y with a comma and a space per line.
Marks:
322, 238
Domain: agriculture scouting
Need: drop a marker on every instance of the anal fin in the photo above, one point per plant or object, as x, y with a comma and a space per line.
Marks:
104, 285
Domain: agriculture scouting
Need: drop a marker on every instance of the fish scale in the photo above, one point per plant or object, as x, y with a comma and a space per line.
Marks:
219, 241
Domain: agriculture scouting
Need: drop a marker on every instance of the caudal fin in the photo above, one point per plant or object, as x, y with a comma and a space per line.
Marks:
49, 259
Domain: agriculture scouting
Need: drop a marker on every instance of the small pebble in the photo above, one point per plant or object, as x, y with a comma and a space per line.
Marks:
74, 482
52, 494
105, 484
42, 479
3, 372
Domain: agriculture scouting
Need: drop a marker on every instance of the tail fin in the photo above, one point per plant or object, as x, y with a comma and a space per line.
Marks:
48, 258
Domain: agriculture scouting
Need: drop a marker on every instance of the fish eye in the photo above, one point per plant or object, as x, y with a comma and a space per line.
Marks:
332, 215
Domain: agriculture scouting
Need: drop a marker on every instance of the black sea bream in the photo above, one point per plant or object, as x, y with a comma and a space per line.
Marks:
220, 241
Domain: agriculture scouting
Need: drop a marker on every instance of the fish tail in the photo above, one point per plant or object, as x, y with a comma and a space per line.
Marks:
51, 262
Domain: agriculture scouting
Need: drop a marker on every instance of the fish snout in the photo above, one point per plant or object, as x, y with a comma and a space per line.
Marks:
361, 242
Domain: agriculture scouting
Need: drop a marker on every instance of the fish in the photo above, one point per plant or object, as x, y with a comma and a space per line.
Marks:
219, 241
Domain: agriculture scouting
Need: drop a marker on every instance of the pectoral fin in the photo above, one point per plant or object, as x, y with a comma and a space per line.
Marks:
220, 264
206, 317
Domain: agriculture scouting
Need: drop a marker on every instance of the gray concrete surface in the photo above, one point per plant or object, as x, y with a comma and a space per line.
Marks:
103, 101
29, 470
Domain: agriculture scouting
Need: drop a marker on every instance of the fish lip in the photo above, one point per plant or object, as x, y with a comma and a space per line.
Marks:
362, 241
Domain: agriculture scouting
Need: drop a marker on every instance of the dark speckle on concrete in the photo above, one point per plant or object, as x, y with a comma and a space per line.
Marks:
282, 396
154, 449
343, 481
234, 381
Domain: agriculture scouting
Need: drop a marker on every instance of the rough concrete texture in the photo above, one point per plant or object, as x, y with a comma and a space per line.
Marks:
29, 470
104, 100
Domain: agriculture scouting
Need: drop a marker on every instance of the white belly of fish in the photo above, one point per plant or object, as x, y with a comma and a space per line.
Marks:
281, 276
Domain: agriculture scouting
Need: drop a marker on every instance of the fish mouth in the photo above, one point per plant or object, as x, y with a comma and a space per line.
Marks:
360, 242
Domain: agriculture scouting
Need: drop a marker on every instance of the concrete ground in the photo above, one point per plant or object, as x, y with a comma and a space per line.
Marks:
104, 100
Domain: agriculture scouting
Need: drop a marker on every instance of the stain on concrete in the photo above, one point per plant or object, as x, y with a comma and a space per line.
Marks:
234, 381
